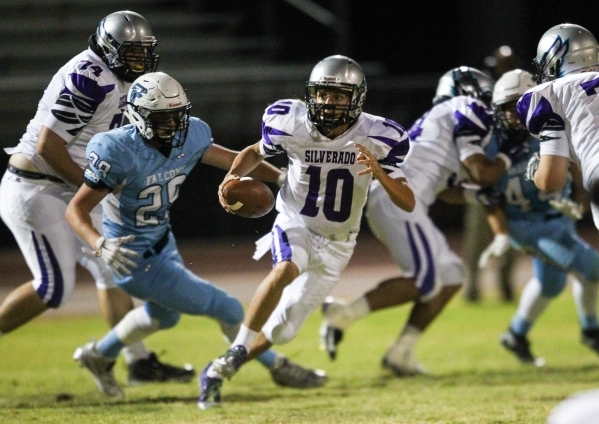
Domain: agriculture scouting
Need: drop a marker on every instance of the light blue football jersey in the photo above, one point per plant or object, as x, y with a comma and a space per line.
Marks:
144, 182
523, 200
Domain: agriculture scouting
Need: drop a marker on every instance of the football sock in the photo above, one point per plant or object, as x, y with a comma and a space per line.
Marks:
359, 308
585, 297
532, 303
409, 337
135, 352
268, 358
245, 337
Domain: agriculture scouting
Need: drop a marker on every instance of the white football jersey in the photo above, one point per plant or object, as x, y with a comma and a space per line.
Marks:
83, 99
563, 115
322, 188
440, 140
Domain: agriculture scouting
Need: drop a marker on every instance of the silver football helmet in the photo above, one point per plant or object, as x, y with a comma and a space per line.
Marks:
336, 73
125, 42
565, 49
158, 108
506, 93
464, 81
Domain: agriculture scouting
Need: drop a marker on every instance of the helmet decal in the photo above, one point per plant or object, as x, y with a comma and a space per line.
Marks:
136, 91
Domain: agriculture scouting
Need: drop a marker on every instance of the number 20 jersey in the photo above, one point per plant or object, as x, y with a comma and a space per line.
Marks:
563, 115
323, 189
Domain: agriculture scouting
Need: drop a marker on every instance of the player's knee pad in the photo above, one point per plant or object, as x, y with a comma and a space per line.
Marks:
167, 318
282, 333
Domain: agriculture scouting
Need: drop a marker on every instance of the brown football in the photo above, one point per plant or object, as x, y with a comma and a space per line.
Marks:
248, 197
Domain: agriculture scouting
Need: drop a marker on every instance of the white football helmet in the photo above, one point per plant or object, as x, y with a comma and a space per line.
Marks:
506, 93
464, 81
125, 42
158, 108
340, 73
565, 49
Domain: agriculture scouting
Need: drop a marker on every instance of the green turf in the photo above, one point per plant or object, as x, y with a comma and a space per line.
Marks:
472, 379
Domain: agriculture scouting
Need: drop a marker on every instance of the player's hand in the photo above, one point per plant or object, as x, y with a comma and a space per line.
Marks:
500, 245
116, 256
568, 207
531, 168
369, 161
282, 177
230, 179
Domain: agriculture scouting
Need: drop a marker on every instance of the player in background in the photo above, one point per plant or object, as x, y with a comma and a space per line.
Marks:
334, 151
446, 151
137, 172
562, 111
541, 224
477, 235
85, 96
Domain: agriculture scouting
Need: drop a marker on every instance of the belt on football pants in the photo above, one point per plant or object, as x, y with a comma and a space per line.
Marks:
157, 248
32, 175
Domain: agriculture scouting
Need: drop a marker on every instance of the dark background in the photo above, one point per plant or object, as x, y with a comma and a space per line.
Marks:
267, 49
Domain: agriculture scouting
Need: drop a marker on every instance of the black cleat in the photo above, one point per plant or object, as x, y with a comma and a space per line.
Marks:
520, 346
151, 370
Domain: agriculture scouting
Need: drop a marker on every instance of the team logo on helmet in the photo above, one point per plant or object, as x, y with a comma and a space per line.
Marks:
137, 91
555, 55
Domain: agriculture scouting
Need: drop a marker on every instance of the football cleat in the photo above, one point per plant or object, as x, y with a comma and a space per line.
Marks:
401, 360
520, 346
287, 374
100, 367
227, 365
209, 390
333, 323
151, 370
590, 338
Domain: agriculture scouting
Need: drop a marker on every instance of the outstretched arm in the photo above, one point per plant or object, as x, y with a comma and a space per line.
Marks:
398, 189
224, 158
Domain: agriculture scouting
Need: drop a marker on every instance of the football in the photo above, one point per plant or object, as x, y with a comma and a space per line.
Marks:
248, 197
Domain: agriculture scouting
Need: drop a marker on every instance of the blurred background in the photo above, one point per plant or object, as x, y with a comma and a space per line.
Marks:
235, 57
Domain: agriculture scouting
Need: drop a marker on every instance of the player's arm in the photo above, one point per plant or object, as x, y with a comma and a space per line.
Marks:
501, 242
397, 188
223, 158
52, 148
552, 173
485, 171
78, 213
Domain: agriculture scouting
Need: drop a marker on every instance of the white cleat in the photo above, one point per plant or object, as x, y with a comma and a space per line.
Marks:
100, 367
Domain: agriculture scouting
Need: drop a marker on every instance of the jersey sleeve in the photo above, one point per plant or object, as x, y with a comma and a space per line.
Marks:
538, 112
278, 123
107, 161
84, 89
392, 145
473, 125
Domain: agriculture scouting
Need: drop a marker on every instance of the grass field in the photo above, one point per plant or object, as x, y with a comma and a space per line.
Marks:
472, 379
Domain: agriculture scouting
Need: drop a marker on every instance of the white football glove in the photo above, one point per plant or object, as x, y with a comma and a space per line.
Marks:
114, 255
533, 165
568, 207
500, 245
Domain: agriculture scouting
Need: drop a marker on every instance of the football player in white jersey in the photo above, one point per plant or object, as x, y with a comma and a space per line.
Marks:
84, 97
446, 151
542, 225
562, 111
334, 151
138, 170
